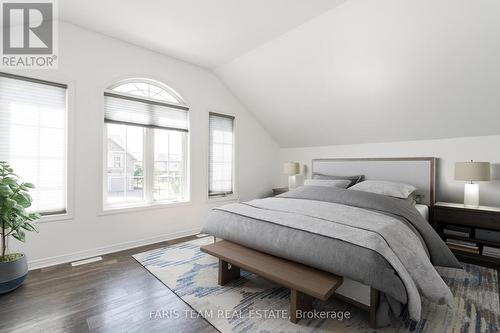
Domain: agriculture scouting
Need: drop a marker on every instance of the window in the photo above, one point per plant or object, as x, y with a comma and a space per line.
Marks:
221, 155
33, 125
117, 161
146, 127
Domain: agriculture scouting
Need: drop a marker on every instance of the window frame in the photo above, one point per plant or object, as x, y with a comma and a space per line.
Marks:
69, 137
234, 195
180, 101
148, 154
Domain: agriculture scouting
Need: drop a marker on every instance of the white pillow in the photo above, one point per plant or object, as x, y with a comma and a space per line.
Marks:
392, 189
341, 183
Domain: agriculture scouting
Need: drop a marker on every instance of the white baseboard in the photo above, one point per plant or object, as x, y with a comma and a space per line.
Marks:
65, 258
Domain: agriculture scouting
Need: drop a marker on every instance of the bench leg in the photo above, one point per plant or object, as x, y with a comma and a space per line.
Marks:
374, 298
299, 302
227, 272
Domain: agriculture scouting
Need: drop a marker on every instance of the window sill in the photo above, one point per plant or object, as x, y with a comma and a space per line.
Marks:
55, 218
233, 197
142, 207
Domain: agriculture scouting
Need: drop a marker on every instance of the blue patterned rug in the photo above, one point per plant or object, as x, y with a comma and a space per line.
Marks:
244, 305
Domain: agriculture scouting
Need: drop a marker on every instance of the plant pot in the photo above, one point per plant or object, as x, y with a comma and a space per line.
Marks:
12, 274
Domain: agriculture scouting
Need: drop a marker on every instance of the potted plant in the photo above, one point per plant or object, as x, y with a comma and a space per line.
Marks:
14, 221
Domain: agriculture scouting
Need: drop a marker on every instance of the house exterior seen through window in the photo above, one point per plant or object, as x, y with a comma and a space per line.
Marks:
146, 131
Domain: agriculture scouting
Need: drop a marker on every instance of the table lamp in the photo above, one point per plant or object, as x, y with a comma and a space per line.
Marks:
291, 169
469, 172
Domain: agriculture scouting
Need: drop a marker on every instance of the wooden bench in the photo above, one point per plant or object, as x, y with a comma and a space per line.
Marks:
305, 283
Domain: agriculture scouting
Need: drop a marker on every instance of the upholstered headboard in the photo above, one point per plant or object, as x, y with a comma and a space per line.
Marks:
417, 171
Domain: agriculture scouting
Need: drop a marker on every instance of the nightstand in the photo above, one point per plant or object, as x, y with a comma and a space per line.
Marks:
460, 224
278, 191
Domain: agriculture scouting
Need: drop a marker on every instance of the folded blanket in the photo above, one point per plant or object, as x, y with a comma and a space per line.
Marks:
439, 252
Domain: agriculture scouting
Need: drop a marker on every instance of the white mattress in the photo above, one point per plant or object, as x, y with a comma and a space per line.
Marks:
423, 210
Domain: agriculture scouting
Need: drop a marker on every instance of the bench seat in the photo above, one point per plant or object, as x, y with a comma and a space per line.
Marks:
305, 283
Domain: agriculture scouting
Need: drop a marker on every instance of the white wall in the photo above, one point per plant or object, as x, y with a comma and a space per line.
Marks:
88, 62
449, 151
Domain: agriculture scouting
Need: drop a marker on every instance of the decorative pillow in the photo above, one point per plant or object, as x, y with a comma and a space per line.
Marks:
353, 179
412, 199
340, 183
392, 189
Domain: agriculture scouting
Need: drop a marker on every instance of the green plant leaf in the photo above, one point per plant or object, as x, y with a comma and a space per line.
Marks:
9, 181
34, 216
19, 209
24, 215
9, 203
23, 199
5, 190
29, 226
14, 199
20, 236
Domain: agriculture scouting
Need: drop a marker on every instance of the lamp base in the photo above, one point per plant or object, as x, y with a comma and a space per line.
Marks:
471, 195
295, 181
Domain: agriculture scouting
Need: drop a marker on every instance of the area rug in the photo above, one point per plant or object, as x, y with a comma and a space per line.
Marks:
253, 304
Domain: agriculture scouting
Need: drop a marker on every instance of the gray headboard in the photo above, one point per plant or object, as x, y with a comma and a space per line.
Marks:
417, 171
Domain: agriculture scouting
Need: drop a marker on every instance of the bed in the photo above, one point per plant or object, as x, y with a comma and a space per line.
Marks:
373, 241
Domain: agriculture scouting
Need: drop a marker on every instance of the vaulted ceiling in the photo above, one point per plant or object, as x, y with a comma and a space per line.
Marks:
208, 33
375, 71
331, 72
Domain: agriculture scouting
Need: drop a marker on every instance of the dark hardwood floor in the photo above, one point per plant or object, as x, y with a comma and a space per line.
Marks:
113, 295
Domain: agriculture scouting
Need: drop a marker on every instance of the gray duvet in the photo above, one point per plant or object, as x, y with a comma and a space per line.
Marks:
377, 240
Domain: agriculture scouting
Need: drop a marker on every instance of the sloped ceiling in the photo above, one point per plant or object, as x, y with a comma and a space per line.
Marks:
204, 32
374, 71
325, 72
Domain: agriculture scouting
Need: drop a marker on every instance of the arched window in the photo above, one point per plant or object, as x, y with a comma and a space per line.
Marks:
149, 89
146, 127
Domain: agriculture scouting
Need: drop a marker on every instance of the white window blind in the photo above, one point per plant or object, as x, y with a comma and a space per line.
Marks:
221, 155
33, 118
130, 110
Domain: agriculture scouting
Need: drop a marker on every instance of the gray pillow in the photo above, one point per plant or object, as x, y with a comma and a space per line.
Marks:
412, 199
340, 183
392, 189
353, 179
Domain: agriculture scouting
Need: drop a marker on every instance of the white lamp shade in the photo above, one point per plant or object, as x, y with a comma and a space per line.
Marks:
291, 168
472, 171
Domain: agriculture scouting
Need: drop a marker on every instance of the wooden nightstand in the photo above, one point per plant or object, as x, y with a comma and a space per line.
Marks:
480, 221
278, 191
